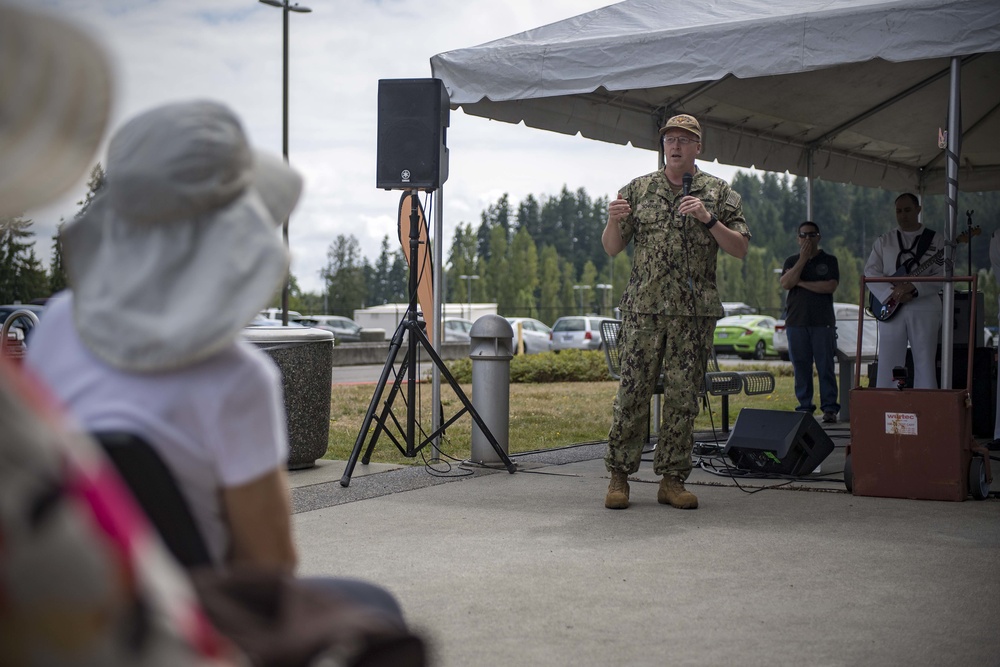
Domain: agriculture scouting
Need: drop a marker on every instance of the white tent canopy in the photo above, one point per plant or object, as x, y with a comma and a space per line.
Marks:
845, 90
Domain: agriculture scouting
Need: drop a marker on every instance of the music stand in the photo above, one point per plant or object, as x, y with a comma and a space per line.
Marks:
411, 328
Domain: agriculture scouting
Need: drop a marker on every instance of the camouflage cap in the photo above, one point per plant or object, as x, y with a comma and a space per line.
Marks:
684, 122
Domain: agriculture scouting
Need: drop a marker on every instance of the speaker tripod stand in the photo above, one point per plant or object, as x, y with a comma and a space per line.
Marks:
412, 330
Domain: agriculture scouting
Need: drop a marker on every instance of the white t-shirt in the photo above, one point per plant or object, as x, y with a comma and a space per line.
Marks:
218, 423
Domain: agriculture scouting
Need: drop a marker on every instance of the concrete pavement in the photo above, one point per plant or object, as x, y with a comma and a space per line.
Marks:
500, 569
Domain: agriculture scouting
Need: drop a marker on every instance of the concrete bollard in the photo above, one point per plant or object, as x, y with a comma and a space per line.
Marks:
491, 351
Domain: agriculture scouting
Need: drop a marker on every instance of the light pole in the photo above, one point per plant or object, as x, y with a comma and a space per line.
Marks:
604, 287
468, 280
580, 289
285, 7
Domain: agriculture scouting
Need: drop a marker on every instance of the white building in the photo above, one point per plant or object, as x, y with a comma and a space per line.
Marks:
388, 316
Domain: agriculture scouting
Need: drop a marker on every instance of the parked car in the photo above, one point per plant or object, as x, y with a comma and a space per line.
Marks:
749, 336
260, 321
18, 330
737, 308
456, 330
847, 333
535, 334
579, 332
344, 329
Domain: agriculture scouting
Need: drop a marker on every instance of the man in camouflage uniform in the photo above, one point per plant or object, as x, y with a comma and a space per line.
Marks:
669, 307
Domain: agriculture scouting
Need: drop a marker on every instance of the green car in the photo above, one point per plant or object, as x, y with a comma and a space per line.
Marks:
749, 336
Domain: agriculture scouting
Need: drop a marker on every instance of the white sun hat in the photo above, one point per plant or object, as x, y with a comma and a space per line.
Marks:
55, 93
179, 249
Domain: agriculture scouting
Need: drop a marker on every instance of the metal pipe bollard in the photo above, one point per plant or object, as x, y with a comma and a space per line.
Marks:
491, 352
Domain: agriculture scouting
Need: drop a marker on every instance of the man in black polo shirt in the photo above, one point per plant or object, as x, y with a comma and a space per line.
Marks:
811, 278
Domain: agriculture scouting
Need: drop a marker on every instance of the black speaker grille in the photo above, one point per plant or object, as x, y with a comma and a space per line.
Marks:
411, 151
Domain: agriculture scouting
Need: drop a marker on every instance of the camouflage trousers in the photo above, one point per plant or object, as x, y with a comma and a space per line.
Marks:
649, 344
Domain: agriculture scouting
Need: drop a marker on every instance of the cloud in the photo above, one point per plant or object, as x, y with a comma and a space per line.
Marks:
230, 50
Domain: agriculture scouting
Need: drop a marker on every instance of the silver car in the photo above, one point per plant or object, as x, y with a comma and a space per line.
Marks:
344, 329
579, 332
457, 330
847, 333
535, 334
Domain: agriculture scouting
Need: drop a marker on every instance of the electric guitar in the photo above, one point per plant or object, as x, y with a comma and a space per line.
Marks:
884, 311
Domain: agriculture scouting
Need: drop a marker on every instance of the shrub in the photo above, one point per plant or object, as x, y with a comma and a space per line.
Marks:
566, 366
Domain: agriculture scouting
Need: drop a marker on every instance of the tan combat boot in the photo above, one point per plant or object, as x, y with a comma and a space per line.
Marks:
617, 498
672, 492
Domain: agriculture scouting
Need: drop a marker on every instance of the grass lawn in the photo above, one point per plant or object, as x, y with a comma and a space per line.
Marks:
542, 416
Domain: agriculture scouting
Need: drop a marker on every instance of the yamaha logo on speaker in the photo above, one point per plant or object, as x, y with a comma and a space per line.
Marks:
404, 176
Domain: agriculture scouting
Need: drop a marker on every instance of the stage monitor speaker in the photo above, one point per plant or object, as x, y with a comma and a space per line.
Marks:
961, 319
412, 152
777, 442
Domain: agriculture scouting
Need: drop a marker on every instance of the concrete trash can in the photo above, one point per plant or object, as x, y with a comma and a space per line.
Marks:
305, 358
491, 349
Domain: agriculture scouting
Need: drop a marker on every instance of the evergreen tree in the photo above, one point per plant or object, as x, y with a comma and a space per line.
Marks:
851, 267
729, 278
589, 295
463, 261
57, 270
94, 184
499, 281
524, 273
620, 271
550, 280
757, 285
529, 216
558, 222
567, 297
379, 277
344, 277
22, 277
399, 276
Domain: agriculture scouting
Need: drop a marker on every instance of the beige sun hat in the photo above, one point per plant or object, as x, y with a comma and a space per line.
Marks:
55, 92
179, 250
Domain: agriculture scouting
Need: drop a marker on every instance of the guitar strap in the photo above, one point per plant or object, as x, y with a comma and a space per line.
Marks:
915, 251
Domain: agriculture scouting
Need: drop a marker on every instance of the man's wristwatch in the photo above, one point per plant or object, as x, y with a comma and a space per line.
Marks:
711, 222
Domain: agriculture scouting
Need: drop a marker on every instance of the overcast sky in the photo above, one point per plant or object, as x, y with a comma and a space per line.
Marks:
230, 50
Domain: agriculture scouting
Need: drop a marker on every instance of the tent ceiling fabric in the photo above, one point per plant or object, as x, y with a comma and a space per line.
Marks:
861, 85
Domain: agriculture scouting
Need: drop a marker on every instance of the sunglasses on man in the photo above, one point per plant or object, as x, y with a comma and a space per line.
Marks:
808, 235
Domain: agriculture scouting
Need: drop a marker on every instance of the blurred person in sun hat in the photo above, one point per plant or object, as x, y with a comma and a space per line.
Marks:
175, 255
82, 577
178, 251
55, 96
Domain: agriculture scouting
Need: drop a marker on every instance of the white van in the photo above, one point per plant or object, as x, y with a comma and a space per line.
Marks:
275, 314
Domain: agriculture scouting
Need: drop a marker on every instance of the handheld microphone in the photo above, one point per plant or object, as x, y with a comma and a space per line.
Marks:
686, 185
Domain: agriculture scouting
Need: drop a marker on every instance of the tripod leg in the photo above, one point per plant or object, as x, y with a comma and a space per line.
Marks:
394, 346
511, 468
386, 411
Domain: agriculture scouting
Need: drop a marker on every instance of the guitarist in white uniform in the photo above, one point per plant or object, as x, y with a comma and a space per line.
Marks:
917, 319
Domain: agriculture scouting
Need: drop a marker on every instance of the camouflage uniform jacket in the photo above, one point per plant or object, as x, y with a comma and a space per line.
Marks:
671, 248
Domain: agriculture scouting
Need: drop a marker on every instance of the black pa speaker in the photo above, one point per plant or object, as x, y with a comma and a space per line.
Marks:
412, 116
777, 442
